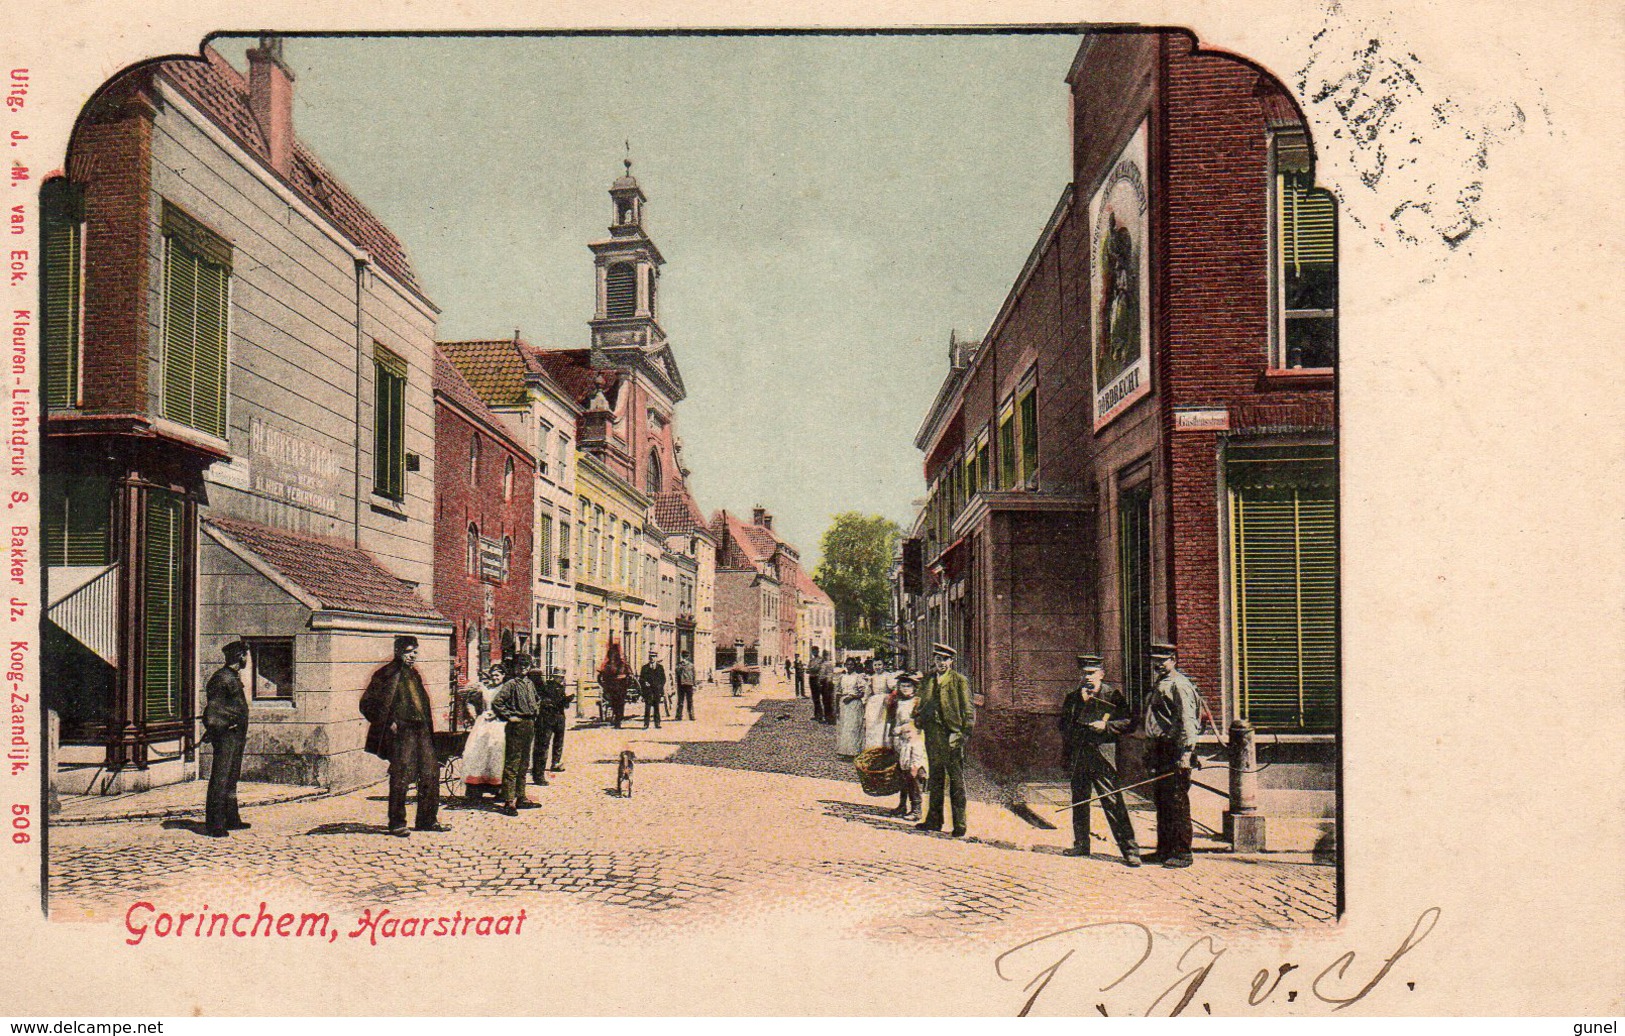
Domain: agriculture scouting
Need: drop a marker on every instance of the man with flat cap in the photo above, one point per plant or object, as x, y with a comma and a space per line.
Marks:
1093, 715
1170, 721
400, 728
945, 714
517, 704
225, 726
652, 685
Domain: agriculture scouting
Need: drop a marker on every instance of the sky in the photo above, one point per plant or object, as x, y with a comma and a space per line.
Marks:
829, 208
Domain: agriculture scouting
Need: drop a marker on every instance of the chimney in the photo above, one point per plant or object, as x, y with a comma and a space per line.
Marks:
759, 516
270, 98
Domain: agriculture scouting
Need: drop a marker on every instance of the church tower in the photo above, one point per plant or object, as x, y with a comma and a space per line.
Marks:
626, 332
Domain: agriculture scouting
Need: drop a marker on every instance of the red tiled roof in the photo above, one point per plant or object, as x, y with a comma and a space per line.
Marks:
336, 574
449, 382
573, 370
494, 368
677, 513
222, 94
809, 589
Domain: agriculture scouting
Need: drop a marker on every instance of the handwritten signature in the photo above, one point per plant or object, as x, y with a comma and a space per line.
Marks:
1101, 948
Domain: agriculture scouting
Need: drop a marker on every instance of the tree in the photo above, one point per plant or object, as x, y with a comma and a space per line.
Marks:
856, 573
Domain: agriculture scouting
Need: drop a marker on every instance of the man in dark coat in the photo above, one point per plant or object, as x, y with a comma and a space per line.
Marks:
400, 728
1093, 715
225, 726
652, 684
1171, 722
552, 702
685, 687
945, 715
801, 678
516, 704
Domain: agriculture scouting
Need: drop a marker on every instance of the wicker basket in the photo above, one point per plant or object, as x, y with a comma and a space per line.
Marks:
878, 773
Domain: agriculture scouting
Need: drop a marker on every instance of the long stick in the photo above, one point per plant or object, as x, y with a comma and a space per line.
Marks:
1119, 791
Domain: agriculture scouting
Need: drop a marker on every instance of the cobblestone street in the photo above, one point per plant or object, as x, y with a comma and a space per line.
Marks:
746, 809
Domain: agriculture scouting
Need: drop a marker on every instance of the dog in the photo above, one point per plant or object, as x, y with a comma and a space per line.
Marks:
623, 773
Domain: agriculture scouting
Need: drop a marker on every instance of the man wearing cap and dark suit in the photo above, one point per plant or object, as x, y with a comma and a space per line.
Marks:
946, 715
1170, 722
1093, 715
225, 726
400, 728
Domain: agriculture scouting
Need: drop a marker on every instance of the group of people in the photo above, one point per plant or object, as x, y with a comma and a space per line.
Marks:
517, 726
618, 681
1095, 715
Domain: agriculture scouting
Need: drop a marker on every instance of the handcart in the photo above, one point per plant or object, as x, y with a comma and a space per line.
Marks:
448, 753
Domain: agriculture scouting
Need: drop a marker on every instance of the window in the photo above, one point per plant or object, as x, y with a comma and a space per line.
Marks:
563, 444
269, 673
1007, 450
564, 545
984, 468
197, 272
473, 549
507, 557
544, 547
165, 606
1027, 413
388, 424
544, 447
1283, 575
621, 291
652, 477
1304, 267
474, 462
654, 280
75, 515
62, 275
507, 478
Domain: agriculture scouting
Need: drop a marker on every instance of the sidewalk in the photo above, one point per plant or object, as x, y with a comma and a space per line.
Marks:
172, 801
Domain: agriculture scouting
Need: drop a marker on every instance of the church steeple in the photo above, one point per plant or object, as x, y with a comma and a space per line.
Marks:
626, 317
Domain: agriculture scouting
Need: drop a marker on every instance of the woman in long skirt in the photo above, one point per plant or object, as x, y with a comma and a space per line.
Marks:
849, 729
875, 702
483, 755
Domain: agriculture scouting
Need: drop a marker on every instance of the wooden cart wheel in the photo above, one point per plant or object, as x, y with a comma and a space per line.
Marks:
451, 775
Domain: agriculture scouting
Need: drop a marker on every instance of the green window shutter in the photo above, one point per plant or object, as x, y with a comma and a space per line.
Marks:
61, 272
161, 588
77, 521
389, 424
180, 332
1007, 453
1308, 224
209, 390
1029, 434
1284, 585
197, 275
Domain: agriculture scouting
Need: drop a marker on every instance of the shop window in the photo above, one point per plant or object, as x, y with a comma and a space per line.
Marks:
269, 673
197, 275
389, 424
1304, 268
62, 273
1283, 575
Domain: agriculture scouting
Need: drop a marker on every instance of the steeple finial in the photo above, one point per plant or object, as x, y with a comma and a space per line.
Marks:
627, 161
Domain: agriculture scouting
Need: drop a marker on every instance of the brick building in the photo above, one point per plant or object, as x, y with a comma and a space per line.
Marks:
507, 375
484, 492
759, 595
238, 436
1142, 447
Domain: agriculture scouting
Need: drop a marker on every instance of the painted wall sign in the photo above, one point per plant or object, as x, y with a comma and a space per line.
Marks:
1120, 283
292, 468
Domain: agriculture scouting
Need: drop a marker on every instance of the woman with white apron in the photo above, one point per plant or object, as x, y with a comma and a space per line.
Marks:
849, 727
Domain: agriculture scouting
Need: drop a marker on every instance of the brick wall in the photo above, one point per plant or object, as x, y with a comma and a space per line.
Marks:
458, 595
111, 157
